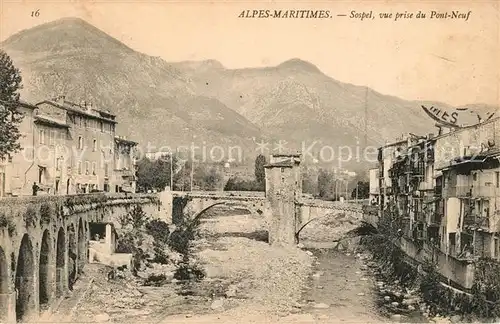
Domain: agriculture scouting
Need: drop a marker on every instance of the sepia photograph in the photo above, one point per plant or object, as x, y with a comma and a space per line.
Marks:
249, 161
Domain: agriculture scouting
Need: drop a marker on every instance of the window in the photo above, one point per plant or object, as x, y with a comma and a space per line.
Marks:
94, 165
41, 136
80, 142
497, 179
102, 126
87, 167
80, 167
41, 174
52, 137
94, 145
474, 176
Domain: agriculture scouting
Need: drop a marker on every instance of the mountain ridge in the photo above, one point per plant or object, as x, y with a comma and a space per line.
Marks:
173, 102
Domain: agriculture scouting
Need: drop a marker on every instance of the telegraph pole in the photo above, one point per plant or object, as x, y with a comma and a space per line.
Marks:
191, 185
171, 173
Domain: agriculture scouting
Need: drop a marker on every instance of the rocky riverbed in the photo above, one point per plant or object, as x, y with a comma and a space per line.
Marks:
249, 281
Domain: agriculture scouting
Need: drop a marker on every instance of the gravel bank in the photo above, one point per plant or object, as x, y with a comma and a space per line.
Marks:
271, 278
263, 283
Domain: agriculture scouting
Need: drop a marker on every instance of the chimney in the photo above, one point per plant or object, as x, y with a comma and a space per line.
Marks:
61, 99
83, 104
89, 106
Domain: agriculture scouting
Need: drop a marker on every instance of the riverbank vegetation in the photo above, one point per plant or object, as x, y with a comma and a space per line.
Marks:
158, 251
481, 302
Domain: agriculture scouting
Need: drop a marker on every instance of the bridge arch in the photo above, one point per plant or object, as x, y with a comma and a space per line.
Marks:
60, 262
72, 254
82, 253
243, 205
4, 286
44, 273
315, 220
25, 283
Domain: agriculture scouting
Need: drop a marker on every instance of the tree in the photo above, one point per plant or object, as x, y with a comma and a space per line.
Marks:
207, 177
309, 181
363, 190
10, 117
326, 182
154, 174
238, 184
260, 172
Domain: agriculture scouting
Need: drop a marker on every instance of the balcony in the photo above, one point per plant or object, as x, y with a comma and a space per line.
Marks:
435, 220
125, 173
485, 191
425, 186
463, 191
477, 222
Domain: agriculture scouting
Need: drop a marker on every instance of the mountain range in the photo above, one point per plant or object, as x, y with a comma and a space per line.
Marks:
175, 103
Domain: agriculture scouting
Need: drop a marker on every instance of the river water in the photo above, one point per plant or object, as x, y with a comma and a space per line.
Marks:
344, 283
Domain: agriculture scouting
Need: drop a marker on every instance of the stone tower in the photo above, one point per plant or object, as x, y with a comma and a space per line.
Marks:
283, 188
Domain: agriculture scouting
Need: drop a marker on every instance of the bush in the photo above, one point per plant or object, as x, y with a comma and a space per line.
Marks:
188, 271
155, 280
158, 229
150, 241
236, 184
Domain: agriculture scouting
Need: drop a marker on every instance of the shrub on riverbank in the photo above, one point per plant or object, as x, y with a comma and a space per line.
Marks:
482, 302
157, 252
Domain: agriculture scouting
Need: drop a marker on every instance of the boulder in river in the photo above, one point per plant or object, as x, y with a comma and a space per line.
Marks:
231, 291
101, 318
318, 274
321, 305
217, 304
396, 317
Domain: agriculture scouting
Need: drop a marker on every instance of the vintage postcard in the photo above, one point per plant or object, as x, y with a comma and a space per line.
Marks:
249, 161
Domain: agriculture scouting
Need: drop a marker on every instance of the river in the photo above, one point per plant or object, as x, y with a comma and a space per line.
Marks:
344, 282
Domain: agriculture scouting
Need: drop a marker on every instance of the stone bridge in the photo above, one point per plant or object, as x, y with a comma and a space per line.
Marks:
305, 210
38, 235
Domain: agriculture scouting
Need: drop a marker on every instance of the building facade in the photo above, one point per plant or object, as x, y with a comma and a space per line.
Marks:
445, 190
17, 170
67, 148
125, 165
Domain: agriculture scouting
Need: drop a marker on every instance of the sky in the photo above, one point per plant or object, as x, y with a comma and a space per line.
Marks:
449, 60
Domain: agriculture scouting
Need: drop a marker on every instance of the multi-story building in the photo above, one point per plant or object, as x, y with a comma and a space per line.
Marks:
125, 164
446, 191
374, 194
67, 148
18, 171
